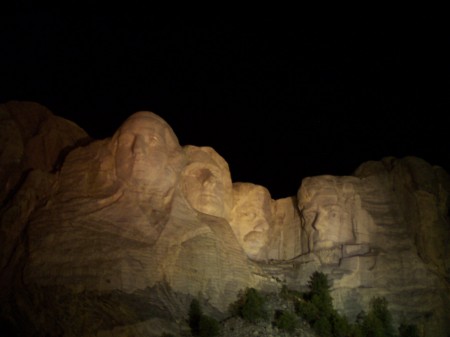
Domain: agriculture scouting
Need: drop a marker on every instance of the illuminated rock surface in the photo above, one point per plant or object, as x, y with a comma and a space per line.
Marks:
114, 237
372, 235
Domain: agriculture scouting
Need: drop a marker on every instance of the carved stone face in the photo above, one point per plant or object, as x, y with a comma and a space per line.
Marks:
327, 207
251, 217
148, 156
206, 181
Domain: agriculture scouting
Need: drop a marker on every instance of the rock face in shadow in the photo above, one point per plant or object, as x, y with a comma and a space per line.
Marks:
115, 237
32, 138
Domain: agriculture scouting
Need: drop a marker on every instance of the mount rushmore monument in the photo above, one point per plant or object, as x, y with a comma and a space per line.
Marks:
114, 237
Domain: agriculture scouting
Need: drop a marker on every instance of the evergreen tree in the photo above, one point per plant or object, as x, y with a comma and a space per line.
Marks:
318, 283
408, 330
322, 327
318, 309
285, 320
209, 327
251, 306
372, 326
378, 322
319, 293
340, 325
307, 311
195, 314
201, 325
379, 308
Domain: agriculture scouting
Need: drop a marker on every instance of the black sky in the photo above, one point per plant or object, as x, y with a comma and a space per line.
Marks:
277, 99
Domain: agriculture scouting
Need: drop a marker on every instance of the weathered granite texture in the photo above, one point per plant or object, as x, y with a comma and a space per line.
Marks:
114, 237
267, 229
382, 232
118, 219
32, 138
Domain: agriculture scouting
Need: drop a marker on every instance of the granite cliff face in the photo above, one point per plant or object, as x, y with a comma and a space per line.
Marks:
114, 237
372, 234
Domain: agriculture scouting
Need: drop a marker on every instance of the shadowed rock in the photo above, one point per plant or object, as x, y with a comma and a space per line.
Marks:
32, 138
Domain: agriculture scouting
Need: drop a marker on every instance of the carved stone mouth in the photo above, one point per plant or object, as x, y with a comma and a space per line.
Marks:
210, 196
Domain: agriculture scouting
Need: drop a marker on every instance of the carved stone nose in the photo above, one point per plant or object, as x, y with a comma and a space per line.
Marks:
138, 146
209, 182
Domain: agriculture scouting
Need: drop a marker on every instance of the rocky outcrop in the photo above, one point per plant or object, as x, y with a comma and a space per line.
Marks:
116, 236
32, 138
33, 143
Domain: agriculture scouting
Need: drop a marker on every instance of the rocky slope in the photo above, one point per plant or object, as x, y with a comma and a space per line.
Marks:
114, 237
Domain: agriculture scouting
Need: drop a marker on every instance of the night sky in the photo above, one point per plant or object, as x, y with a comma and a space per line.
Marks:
277, 99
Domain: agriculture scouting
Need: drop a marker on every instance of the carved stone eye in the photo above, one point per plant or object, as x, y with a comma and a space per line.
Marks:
249, 215
154, 140
203, 174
